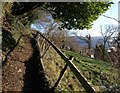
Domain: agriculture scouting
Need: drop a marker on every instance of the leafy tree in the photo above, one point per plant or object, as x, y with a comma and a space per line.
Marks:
73, 15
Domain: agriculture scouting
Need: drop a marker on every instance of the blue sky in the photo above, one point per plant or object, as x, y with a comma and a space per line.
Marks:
94, 31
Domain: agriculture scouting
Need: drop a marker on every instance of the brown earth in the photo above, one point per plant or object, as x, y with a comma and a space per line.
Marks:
23, 70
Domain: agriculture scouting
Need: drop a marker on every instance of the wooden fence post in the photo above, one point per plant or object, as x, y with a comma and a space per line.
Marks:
61, 74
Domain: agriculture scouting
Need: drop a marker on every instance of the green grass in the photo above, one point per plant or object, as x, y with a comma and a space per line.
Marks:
97, 73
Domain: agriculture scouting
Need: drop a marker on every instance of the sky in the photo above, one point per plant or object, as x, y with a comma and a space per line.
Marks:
101, 21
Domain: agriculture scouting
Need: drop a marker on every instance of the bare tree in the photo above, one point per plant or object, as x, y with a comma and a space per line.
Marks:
87, 40
46, 25
107, 31
60, 37
118, 48
115, 58
117, 40
50, 28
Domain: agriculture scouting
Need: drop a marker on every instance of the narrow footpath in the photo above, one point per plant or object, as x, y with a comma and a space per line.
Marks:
23, 70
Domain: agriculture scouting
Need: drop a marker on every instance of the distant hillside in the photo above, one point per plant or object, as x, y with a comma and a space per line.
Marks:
94, 40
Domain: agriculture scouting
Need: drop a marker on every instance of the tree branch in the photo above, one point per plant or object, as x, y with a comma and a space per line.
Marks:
112, 18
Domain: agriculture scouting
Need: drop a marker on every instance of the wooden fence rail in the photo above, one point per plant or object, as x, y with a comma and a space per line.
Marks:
73, 68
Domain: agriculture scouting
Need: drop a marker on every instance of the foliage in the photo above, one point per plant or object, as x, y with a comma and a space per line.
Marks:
13, 27
19, 18
77, 15
73, 15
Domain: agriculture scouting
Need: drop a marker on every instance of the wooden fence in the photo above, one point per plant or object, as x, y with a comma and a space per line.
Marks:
73, 68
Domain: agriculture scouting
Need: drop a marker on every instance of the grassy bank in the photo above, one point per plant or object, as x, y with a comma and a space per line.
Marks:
99, 74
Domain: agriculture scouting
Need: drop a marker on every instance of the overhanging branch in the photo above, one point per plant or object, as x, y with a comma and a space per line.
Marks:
112, 18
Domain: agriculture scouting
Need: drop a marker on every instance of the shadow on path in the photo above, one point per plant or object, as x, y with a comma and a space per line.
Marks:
34, 78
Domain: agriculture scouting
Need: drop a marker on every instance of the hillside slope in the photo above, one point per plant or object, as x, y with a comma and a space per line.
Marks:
99, 74
24, 62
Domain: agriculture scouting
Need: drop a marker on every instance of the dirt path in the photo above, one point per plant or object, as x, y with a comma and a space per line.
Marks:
34, 78
23, 70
